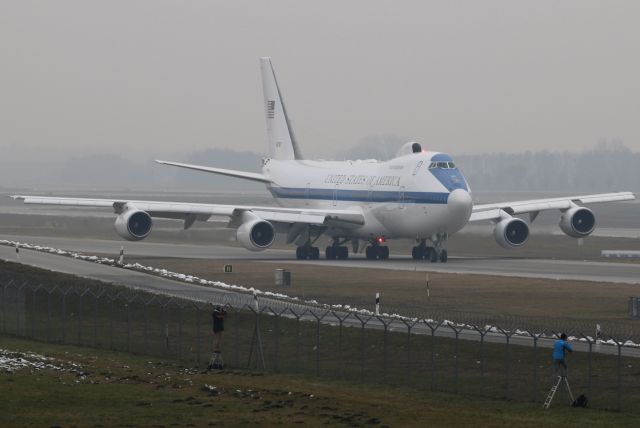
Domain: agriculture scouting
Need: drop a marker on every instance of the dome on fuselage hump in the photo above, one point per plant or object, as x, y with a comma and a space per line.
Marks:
409, 148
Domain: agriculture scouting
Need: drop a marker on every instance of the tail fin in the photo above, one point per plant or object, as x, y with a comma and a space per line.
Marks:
282, 142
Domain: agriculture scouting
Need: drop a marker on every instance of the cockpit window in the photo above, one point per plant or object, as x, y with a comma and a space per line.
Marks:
442, 165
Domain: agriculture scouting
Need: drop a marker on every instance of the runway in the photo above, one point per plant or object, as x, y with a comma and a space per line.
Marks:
614, 272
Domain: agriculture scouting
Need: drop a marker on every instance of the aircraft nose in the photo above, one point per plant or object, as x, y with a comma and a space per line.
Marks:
460, 205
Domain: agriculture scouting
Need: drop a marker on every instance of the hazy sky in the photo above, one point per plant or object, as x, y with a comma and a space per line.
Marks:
151, 78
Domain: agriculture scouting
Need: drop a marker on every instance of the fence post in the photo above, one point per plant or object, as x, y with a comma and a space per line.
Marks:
4, 306
113, 314
619, 345
126, 305
384, 347
507, 334
197, 334
535, 337
237, 335
276, 352
409, 326
363, 323
95, 318
49, 293
340, 326
64, 316
456, 354
297, 317
433, 326
18, 329
590, 341
79, 318
145, 326
482, 332
180, 338
317, 350
34, 311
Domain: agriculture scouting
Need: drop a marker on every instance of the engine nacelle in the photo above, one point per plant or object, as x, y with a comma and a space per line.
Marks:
134, 225
256, 234
578, 222
511, 232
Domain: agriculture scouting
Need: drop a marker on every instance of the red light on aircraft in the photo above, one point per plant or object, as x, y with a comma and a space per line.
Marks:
380, 240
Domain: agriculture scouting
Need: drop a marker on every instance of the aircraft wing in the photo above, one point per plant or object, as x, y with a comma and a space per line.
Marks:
195, 211
534, 207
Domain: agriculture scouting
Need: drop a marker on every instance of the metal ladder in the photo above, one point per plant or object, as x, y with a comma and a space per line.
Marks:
554, 388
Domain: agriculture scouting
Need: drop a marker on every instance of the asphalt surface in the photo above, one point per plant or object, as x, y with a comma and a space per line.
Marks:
625, 273
152, 283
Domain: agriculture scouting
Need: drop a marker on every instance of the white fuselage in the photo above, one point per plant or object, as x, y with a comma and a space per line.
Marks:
400, 198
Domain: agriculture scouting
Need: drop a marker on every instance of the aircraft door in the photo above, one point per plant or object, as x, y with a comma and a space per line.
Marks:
401, 197
335, 195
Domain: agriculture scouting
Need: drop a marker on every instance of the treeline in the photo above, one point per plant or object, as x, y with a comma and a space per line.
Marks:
608, 167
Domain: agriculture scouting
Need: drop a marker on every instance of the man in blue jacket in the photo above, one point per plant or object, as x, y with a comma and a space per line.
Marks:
559, 348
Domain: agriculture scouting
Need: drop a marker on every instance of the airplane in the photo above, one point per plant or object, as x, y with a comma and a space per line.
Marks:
419, 194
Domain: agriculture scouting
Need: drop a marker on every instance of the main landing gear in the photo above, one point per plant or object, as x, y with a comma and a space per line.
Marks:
377, 251
307, 252
337, 250
433, 254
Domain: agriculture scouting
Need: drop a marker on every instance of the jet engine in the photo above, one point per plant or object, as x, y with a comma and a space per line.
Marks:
511, 232
134, 225
256, 234
578, 222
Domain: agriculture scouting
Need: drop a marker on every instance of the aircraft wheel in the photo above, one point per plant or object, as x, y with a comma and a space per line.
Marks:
433, 256
383, 252
427, 253
314, 253
342, 252
416, 253
370, 253
301, 253
444, 256
330, 253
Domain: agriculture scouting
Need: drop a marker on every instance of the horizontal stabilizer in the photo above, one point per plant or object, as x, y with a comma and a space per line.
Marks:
254, 176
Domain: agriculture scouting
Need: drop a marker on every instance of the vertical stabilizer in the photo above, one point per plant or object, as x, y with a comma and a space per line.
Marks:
282, 142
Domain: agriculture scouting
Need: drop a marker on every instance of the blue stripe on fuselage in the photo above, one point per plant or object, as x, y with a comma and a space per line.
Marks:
360, 195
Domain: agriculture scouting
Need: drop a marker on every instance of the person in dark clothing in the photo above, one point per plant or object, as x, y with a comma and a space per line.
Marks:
218, 326
559, 349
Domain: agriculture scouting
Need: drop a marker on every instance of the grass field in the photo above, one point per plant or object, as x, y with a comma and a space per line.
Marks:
404, 292
118, 389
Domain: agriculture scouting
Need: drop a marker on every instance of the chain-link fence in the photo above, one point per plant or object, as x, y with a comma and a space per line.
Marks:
469, 358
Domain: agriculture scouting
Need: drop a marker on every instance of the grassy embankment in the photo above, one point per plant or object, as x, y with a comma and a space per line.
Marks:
120, 389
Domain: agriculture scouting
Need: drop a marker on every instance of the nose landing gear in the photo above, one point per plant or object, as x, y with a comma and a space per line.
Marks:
433, 254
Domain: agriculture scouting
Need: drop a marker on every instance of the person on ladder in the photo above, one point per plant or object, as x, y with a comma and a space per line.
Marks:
559, 349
